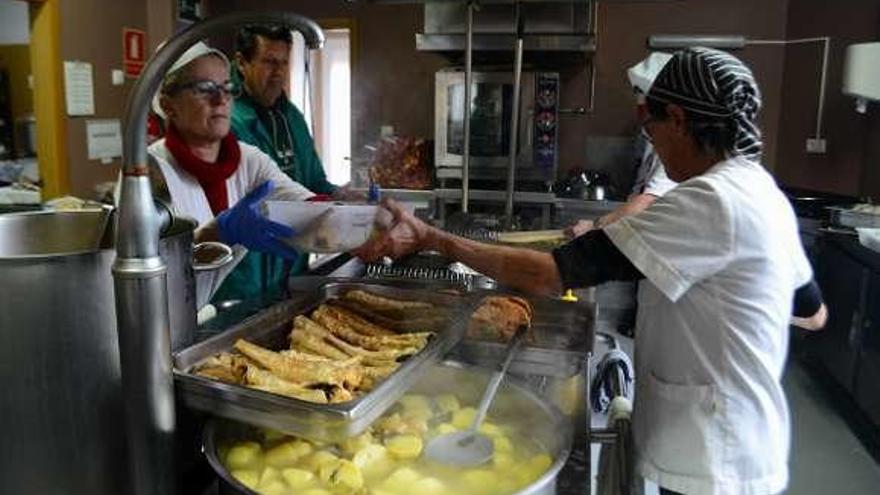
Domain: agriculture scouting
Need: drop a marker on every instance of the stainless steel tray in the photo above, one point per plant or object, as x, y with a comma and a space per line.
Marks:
323, 422
564, 336
847, 217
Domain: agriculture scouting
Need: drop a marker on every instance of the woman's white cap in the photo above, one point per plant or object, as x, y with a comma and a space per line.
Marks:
200, 49
641, 76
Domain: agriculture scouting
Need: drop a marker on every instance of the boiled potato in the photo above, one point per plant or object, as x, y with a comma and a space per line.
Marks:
503, 461
428, 486
480, 481
247, 477
506, 484
316, 491
400, 481
502, 444
372, 458
464, 417
298, 478
287, 454
276, 487
540, 463
271, 482
404, 446
268, 475
447, 403
314, 461
342, 476
351, 445
244, 455
444, 428
413, 402
490, 429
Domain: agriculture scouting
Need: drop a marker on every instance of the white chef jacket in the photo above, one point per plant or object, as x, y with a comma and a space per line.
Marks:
188, 198
722, 259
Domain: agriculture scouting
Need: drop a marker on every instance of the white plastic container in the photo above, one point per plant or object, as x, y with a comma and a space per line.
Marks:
327, 227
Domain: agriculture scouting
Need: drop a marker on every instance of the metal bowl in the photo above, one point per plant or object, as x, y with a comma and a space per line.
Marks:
548, 427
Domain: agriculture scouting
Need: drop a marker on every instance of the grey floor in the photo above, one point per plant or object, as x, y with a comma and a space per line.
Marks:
826, 456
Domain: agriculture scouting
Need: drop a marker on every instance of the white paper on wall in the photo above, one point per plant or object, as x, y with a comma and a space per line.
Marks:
104, 139
79, 88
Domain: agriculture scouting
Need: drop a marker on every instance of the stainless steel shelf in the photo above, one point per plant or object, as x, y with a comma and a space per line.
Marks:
582, 43
496, 196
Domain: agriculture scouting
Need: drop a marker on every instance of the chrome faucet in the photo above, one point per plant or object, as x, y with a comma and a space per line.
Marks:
139, 272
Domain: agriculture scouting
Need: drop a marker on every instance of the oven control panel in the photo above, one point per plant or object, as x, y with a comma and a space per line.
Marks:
546, 116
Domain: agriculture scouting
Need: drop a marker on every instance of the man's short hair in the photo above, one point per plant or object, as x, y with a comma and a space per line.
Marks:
246, 40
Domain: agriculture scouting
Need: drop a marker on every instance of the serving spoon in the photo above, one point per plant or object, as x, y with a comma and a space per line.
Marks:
470, 447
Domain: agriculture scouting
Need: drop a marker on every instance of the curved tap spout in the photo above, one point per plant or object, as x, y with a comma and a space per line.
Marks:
139, 273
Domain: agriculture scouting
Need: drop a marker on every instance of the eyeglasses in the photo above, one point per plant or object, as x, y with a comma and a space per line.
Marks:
210, 90
644, 128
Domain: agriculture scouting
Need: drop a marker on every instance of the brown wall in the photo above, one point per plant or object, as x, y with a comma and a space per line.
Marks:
848, 166
623, 31
91, 31
393, 83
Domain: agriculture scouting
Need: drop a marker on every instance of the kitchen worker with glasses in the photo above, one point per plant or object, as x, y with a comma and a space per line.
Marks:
723, 270
651, 181
205, 172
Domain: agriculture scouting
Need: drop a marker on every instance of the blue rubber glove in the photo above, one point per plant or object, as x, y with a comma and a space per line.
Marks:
244, 224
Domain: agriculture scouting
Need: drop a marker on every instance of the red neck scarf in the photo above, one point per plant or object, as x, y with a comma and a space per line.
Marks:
211, 176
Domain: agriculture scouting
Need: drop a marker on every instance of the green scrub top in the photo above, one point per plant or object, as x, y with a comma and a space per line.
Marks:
270, 130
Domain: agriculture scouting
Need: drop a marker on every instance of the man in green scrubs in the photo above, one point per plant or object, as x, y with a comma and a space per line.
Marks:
264, 117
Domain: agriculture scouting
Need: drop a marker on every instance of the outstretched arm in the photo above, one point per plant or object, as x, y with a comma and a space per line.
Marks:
524, 269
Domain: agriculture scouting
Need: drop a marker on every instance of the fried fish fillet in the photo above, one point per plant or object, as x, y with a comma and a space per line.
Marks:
268, 382
399, 321
498, 317
226, 367
384, 303
339, 394
308, 343
375, 374
303, 373
333, 320
314, 358
360, 325
305, 325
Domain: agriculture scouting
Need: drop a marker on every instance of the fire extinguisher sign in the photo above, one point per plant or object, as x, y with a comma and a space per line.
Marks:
134, 49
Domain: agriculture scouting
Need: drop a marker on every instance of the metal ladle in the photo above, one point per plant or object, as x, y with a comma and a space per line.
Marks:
470, 447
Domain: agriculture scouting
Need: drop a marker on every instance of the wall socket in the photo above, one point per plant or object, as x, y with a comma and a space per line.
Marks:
818, 146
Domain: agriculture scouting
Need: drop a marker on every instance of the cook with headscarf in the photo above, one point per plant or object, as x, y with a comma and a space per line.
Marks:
723, 270
206, 172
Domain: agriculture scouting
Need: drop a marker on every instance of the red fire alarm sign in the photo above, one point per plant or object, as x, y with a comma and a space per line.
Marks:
134, 47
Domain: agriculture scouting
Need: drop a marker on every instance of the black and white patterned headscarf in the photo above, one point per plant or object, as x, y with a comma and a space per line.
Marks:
714, 84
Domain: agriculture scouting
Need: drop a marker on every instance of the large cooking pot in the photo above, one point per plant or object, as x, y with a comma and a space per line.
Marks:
545, 425
63, 410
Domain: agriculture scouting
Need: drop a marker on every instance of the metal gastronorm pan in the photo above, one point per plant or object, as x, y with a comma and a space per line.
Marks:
322, 422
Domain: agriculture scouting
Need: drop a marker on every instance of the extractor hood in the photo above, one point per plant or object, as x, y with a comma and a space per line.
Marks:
548, 26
